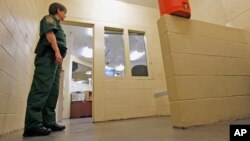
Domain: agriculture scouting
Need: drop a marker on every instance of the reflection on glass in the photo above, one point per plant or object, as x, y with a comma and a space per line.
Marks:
138, 56
114, 53
81, 73
81, 85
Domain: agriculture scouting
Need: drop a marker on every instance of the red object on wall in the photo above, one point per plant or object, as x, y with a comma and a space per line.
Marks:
179, 8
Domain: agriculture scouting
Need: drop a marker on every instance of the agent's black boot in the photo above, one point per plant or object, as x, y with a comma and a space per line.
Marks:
56, 127
37, 131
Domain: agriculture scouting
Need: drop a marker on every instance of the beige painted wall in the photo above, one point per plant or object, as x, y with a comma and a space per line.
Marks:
19, 28
238, 13
212, 11
127, 97
207, 71
122, 15
233, 13
19, 23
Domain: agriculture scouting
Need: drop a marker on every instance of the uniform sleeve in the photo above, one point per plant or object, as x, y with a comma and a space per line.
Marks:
48, 24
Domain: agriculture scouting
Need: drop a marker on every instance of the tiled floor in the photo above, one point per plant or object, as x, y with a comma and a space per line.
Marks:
142, 129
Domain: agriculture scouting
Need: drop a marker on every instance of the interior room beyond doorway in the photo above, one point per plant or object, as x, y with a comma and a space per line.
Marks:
80, 85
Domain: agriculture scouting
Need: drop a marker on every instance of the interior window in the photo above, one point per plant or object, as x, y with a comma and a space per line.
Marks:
114, 52
138, 56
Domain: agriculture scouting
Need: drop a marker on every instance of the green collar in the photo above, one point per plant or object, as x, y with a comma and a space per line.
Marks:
54, 17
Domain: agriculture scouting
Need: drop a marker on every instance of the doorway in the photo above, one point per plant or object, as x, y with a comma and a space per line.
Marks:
78, 72
81, 91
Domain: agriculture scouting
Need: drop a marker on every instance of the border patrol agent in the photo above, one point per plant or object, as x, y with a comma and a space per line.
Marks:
40, 117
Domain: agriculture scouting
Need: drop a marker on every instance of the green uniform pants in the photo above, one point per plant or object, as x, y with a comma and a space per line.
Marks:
43, 94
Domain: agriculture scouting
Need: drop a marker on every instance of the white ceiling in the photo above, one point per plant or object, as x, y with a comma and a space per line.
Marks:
146, 3
80, 37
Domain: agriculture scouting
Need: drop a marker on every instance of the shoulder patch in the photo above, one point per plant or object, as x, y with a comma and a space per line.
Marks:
49, 20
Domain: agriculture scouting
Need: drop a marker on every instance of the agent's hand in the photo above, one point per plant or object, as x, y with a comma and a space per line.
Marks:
58, 58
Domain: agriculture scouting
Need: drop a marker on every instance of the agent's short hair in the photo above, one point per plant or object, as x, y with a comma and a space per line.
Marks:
54, 6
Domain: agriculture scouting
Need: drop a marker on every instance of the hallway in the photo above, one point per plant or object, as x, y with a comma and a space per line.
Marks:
142, 129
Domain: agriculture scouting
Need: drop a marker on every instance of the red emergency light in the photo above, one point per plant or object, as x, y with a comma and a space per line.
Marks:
179, 8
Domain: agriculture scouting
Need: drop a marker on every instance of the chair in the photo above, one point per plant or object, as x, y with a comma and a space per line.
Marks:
140, 70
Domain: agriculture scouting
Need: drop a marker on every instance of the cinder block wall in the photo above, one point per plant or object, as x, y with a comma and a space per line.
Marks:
124, 97
162, 103
19, 30
207, 69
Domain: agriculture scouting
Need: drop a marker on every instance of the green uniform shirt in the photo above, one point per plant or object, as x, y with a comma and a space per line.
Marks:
50, 23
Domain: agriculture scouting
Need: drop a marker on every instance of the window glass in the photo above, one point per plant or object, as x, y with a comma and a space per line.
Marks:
114, 53
138, 56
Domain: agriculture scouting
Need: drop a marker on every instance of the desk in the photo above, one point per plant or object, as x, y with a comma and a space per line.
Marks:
80, 109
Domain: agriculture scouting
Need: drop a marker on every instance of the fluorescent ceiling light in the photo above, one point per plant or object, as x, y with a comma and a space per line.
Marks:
136, 55
87, 52
119, 67
79, 82
89, 32
88, 73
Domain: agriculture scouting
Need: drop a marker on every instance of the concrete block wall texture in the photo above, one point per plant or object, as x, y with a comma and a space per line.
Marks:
162, 103
207, 70
123, 97
19, 23
19, 28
